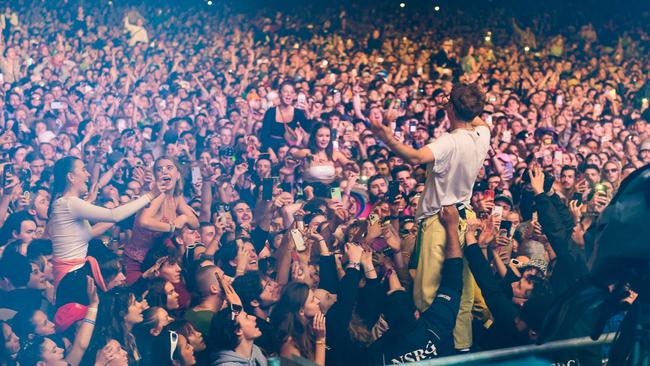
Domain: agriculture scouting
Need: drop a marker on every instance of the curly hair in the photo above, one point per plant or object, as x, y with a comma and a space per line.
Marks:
468, 101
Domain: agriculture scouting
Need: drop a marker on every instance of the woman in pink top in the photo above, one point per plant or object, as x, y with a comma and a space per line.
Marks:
164, 216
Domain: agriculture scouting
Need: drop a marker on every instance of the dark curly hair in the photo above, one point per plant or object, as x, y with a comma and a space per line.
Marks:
249, 288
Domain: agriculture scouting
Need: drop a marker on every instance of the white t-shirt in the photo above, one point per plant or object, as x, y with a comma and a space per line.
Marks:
459, 156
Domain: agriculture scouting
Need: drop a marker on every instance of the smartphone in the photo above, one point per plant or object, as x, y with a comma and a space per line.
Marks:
121, 125
7, 170
393, 190
298, 240
506, 227
267, 186
146, 134
196, 175
56, 105
506, 136
557, 157
577, 196
373, 219
497, 212
302, 99
335, 194
26, 178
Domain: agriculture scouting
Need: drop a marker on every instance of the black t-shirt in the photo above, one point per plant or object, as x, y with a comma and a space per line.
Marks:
272, 131
433, 335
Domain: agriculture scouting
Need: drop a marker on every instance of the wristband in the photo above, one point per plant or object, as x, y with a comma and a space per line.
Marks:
321, 342
89, 321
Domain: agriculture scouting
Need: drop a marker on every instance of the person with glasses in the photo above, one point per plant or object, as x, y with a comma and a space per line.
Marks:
612, 174
171, 349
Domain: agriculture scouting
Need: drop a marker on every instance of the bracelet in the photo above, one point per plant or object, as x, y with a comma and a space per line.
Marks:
321, 342
92, 310
355, 265
89, 321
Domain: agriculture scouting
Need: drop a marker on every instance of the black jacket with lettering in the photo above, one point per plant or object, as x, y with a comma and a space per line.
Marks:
432, 336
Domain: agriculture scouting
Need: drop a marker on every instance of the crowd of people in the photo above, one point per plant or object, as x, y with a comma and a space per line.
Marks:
198, 186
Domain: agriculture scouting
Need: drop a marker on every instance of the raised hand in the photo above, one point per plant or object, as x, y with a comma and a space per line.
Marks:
450, 217
154, 271
319, 327
91, 290
354, 252
536, 179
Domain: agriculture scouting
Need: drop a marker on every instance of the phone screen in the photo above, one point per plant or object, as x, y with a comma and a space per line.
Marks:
7, 170
267, 186
196, 175
577, 196
335, 194
393, 190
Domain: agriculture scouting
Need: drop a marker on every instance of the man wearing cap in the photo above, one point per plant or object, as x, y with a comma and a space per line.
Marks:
453, 163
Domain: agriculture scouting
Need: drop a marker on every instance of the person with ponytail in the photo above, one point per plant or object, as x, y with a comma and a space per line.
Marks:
69, 226
166, 214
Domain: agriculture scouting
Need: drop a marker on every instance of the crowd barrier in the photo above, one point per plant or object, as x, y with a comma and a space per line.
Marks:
505, 354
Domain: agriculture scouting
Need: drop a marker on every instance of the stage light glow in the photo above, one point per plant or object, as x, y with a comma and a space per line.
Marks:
401, 5
436, 8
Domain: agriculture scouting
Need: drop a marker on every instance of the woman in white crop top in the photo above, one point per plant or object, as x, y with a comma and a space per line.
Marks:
69, 227
320, 155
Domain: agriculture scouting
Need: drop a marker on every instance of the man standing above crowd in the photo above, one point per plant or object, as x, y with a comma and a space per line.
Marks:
453, 162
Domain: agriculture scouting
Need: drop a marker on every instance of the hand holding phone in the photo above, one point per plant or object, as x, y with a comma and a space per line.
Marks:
298, 240
335, 194
267, 189
196, 175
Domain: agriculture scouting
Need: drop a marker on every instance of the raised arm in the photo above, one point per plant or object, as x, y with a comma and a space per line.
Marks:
147, 219
192, 217
423, 155
85, 331
84, 210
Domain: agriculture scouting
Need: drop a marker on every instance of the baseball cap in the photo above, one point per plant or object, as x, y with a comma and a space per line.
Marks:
645, 145
504, 198
68, 314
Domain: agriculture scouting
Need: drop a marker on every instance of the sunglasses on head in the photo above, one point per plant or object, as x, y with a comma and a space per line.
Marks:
173, 340
235, 310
